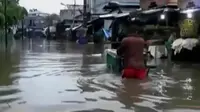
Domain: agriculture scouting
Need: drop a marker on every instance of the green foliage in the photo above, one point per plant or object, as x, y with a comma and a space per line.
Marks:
2, 20
14, 12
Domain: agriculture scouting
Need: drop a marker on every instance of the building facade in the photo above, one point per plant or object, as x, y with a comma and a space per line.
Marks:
183, 3
35, 19
96, 6
145, 3
73, 13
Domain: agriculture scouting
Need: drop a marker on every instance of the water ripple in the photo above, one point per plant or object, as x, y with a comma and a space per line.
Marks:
60, 77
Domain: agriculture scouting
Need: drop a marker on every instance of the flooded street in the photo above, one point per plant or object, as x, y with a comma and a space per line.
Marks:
42, 76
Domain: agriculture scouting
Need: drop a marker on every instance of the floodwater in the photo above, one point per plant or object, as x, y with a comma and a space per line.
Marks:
42, 76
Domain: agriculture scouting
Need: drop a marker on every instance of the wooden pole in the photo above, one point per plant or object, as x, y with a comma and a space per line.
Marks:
48, 27
22, 28
84, 13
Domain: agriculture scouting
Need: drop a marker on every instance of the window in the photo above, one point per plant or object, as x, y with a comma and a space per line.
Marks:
33, 14
30, 22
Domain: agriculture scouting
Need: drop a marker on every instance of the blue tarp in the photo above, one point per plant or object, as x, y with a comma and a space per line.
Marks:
107, 33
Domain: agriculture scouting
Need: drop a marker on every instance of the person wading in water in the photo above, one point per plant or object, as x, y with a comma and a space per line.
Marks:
131, 49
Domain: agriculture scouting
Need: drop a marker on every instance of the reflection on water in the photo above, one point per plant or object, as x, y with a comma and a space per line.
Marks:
50, 76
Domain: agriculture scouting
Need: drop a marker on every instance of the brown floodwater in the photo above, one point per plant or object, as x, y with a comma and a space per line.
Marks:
50, 76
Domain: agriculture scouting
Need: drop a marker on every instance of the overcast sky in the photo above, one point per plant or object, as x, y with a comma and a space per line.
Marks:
49, 6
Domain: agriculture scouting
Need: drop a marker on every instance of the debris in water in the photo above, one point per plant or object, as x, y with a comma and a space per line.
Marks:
188, 80
22, 102
90, 99
71, 90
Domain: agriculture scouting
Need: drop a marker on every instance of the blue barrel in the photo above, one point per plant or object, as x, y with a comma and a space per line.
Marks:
82, 40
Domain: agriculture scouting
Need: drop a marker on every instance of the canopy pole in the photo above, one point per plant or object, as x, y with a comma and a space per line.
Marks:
5, 24
84, 13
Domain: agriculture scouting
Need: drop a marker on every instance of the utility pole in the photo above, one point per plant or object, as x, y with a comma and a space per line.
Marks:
5, 25
74, 14
22, 23
84, 13
48, 27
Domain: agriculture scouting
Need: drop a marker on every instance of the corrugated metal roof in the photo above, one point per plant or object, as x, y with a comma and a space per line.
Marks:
190, 10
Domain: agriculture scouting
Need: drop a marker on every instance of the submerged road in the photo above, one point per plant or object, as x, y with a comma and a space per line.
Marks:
42, 76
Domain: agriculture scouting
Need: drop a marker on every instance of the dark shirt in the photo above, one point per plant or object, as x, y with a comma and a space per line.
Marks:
131, 50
